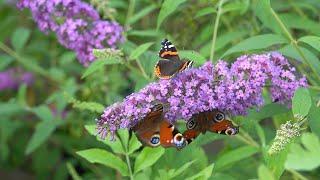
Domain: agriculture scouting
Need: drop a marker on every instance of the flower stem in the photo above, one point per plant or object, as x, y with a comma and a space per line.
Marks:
129, 166
130, 12
297, 174
215, 30
294, 43
31, 66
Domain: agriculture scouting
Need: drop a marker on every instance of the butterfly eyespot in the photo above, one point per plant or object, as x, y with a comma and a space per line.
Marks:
219, 117
191, 124
231, 131
179, 140
155, 140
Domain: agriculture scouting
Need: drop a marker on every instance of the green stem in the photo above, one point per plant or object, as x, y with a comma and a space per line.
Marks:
247, 141
215, 30
34, 67
142, 70
129, 166
294, 43
132, 4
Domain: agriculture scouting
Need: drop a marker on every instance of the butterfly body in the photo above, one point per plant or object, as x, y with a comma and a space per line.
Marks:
154, 131
170, 64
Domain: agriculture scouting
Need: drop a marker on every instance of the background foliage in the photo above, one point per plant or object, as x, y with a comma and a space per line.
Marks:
37, 142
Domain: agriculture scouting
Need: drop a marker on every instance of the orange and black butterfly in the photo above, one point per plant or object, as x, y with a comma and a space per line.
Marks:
171, 63
154, 131
213, 121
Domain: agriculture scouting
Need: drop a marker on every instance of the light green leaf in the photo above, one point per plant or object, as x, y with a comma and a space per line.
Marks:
264, 173
134, 144
192, 55
140, 50
256, 42
168, 7
205, 11
105, 158
313, 41
43, 130
10, 108
20, 38
91, 106
181, 169
314, 120
144, 12
99, 64
43, 112
260, 133
301, 102
275, 162
305, 155
311, 59
116, 145
204, 174
233, 156
22, 95
147, 157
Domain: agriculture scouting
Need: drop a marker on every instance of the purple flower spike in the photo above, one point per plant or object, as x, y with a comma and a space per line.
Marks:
77, 25
13, 78
232, 89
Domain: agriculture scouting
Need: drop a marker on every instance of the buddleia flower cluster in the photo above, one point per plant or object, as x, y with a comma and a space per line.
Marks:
233, 89
76, 24
12, 78
285, 135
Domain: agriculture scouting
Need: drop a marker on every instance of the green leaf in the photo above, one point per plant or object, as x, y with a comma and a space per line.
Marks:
168, 7
233, 156
204, 174
301, 102
5, 61
144, 12
73, 172
313, 41
105, 158
264, 173
266, 111
43, 112
304, 156
192, 55
314, 120
296, 21
116, 145
10, 108
99, 64
256, 42
311, 59
20, 38
181, 169
260, 133
134, 144
147, 157
140, 50
143, 33
43, 130
205, 11
275, 162
91, 106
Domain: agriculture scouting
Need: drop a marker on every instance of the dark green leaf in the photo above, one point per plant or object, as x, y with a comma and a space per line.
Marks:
301, 102
144, 159
140, 50
20, 38
73, 172
168, 7
43, 112
256, 42
106, 158
304, 156
43, 130
266, 111
144, 12
205, 11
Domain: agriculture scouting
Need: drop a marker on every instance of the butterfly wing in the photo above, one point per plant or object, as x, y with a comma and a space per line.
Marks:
170, 136
165, 69
168, 51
